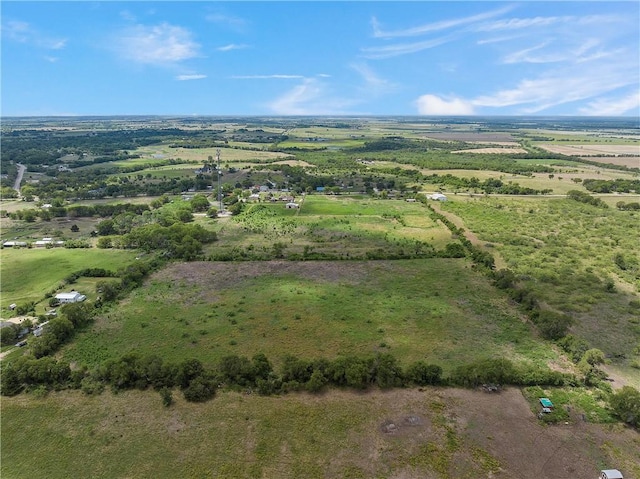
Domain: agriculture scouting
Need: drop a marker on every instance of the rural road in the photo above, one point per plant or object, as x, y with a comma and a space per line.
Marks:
21, 170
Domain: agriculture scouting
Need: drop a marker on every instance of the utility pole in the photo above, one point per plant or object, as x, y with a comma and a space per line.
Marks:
219, 174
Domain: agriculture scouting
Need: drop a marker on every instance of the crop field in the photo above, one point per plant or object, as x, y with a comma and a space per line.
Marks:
315, 309
230, 155
28, 274
343, 226
599, 149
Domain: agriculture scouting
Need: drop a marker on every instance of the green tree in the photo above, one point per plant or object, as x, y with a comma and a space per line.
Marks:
626, 405
200, 203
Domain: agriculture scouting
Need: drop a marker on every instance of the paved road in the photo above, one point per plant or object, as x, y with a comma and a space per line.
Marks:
21, 170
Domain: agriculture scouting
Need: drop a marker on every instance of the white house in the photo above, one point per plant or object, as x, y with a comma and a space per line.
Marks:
610, 474
73, 297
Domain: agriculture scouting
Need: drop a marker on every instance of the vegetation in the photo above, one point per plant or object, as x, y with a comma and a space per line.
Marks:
366, 286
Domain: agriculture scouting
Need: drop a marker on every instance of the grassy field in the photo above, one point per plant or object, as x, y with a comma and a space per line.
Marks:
566, 252
315, 309
432, 433
28, 274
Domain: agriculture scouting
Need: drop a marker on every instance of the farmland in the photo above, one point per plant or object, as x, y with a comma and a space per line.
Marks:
328, 252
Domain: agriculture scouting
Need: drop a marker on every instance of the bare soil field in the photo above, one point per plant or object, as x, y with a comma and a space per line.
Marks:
499, 150
593, 150
473, 137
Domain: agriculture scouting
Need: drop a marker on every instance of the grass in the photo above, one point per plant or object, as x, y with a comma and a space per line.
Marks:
314, 309
133, 435
28, 274
565, 252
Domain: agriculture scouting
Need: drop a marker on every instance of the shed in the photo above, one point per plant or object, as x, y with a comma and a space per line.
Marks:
292, 205
438, 197
546, 403
610, 474
73, 297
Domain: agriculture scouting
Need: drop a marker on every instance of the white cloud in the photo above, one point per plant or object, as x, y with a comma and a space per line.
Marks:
437, 26
562, 87
311, 97
376, 53
435, 105
232, 46
128, 16
373, 84
232, 21
613, 106
23, 32
162, 44
190, 77
267, 77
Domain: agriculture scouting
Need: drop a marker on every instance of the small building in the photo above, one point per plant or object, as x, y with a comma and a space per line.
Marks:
438, 197
292, 205
410, 200
610, 474
13, 306
73, 297
14, 244
546, 403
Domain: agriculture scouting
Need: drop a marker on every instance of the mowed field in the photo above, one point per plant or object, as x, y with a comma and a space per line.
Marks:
28, 274
430, 433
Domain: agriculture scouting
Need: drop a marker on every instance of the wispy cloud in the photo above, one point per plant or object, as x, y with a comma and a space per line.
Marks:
376, 53
162, 44
436, 105
613, 106
267, 77
232, 46
373, 83
23, 32
231, 21
311, 97
190, 77
436, 26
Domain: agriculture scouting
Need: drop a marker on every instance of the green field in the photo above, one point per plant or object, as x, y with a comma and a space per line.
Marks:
315, 309
566, 252
28, 274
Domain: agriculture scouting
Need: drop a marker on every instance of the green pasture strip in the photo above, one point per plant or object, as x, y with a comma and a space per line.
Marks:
413, 309
566, 251
28, 274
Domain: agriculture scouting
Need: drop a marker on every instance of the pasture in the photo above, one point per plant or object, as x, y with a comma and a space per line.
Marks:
566, 252
409, 433
439, 310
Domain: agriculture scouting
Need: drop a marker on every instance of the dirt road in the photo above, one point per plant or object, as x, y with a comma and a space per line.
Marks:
21, 171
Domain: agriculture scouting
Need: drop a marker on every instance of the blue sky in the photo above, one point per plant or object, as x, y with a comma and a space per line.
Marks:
320, 58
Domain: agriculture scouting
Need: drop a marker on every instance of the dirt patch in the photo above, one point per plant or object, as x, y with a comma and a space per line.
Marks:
472, 137
222, 275
498, 150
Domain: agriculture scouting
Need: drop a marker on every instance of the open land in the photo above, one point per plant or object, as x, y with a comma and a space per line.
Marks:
364, 265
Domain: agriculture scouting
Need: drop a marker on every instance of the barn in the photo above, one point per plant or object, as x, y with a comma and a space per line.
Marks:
73, 297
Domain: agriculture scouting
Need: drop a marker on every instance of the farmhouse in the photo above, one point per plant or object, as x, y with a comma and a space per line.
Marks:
73, 297
610, 474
